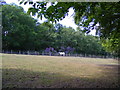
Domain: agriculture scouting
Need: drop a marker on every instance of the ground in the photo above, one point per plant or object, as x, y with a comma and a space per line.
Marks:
30, 71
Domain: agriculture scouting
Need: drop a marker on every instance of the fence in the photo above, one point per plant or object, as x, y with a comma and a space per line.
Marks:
56, 54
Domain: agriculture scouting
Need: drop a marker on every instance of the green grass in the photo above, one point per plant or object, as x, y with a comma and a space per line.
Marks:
29, 71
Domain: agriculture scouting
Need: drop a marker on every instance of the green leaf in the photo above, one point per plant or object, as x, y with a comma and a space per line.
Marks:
25, 2
21, 2
33, 10
30, 2
41, 17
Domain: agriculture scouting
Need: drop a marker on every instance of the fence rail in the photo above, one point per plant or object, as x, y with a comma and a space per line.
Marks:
56, 54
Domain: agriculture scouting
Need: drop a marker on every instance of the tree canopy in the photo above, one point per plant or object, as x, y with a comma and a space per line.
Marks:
22, 32
17, 27
102, 16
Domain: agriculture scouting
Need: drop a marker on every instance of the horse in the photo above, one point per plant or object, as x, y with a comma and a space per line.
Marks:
61, 53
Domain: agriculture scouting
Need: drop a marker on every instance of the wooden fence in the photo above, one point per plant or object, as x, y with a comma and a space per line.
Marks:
56, 54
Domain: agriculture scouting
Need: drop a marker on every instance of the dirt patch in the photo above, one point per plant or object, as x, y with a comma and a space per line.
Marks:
86, 83
111, 68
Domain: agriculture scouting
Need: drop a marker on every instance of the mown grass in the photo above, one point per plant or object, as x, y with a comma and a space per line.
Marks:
29, 71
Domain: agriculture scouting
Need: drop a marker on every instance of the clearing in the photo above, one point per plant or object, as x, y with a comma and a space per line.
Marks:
30, 71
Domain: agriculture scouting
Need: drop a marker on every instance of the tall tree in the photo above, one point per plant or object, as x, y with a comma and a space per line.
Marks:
87, 15
21, 32
18, 28
45, 35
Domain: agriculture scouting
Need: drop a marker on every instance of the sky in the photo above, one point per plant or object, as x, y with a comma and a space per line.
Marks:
68, 21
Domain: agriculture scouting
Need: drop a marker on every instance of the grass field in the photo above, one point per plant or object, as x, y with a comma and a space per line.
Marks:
29, 71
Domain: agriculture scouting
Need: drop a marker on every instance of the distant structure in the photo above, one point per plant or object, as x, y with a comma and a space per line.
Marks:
61, 53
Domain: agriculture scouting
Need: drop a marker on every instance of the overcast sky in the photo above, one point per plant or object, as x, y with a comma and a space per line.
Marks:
67, 21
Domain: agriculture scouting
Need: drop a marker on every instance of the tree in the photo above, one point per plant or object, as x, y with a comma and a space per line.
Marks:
45, 36
18, 28
69, 38
22, 32
87, 15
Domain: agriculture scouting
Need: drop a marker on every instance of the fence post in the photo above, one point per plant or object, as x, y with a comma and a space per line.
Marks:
42, 53
19, 52
28, 52
3, 51
49, 53
76, 55
11, 51
35, 53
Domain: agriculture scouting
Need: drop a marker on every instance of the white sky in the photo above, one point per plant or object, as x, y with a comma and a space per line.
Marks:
67, 21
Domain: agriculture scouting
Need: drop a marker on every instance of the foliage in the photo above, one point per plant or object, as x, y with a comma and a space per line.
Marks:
87, 14
22, 32
113, 45
18, 28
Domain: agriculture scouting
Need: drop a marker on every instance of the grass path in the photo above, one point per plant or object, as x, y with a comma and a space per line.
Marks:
29, 71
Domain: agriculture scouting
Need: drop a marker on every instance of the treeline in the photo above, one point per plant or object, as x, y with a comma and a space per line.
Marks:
22, 32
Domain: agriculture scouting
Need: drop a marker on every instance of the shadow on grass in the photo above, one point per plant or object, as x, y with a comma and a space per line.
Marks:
17, 78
